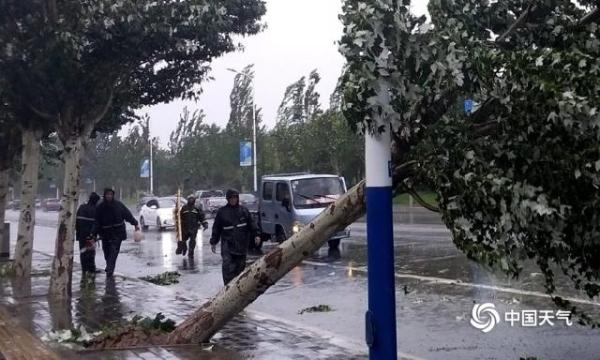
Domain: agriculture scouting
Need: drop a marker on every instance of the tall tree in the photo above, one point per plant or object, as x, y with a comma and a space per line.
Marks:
244, 111
78, 63
10, 148
516, 178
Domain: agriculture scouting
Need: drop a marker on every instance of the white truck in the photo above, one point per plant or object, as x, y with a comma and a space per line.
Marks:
287, 202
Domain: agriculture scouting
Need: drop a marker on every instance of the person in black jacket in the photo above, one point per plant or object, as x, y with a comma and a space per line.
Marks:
111, 215
84, 225
234, 228
191, 218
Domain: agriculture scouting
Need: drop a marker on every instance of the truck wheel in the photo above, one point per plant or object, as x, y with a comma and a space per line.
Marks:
334, 244
264, 238
280, 235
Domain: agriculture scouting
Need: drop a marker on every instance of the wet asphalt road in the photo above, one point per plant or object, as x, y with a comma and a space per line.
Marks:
436, 288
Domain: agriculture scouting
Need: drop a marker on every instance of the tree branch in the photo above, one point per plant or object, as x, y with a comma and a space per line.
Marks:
593, 16
520, 20
104, 110
41, 114
422, 202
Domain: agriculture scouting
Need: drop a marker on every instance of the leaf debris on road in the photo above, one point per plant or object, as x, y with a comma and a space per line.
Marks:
313, 309
166, 278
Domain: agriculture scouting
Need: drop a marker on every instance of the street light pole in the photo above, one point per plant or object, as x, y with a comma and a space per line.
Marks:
254, 120
255, 160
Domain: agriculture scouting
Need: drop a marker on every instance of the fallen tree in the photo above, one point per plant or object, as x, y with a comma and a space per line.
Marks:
254, 281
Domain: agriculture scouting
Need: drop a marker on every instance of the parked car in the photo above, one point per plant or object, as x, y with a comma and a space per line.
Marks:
250, 201
290, 201
14, 205
143, 201
158, 212
51, 205
210, 201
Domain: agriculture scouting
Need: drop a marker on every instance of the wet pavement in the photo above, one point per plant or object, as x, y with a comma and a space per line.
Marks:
436, 288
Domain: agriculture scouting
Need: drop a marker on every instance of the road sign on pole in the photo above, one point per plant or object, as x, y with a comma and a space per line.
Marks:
469, 104
381, 316
245, 153
145, 169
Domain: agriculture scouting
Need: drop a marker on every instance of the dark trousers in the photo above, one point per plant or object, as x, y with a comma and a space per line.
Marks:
191, 236
87, 257
111, 248
233, 265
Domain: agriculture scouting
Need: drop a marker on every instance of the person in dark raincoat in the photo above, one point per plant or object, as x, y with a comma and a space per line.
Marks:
84, 225
111, 215
191, 218
234, 228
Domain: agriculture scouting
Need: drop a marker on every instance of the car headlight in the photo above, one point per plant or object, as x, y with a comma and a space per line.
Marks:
296, 227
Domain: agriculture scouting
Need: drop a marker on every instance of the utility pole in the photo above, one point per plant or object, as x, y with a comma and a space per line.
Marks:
151, 158
254, 159
380, 319
254, 120
151, 170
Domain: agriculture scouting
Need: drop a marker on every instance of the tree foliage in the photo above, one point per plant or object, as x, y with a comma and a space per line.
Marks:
81, 59
518, 178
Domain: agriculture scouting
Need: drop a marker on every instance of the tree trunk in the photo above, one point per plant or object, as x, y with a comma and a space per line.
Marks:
256, 279
30, 164
252, 282
4, 179
62, 265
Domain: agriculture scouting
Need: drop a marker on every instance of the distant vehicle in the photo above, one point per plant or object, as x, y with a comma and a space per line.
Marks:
210, 201
38, 203
287, 202
143, 201
250, 201
14, 205
51, 205
158, 212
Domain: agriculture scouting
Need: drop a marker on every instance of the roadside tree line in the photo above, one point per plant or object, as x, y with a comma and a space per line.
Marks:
200, 155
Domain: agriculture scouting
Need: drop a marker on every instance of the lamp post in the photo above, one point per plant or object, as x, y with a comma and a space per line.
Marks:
254, 160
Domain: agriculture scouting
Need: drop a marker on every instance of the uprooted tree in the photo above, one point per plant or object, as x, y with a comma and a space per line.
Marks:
516, 179
78, 64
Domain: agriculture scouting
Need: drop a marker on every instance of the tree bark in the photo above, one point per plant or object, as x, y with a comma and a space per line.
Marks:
4, 179
256, 279
62, 265
30, 164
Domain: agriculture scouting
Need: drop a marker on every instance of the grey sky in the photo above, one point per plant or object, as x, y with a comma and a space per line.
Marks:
300, 37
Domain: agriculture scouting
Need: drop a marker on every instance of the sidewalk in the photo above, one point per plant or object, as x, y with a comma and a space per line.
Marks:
112, 302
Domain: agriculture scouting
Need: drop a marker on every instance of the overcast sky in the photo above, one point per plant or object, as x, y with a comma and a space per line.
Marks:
301, 36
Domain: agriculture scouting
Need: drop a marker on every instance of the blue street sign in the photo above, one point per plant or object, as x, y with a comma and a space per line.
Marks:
245, 153
145, 169
469, 106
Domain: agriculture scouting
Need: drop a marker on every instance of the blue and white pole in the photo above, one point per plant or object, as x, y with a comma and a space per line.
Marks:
381, 316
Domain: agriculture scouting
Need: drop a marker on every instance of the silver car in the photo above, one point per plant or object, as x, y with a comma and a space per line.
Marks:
287, 202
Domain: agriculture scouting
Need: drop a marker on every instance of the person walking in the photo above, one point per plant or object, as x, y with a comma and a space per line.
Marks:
84, 225
190, 220
111, 215
234, 228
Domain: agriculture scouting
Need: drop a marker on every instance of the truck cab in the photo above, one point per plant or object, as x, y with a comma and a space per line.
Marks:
287, 202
